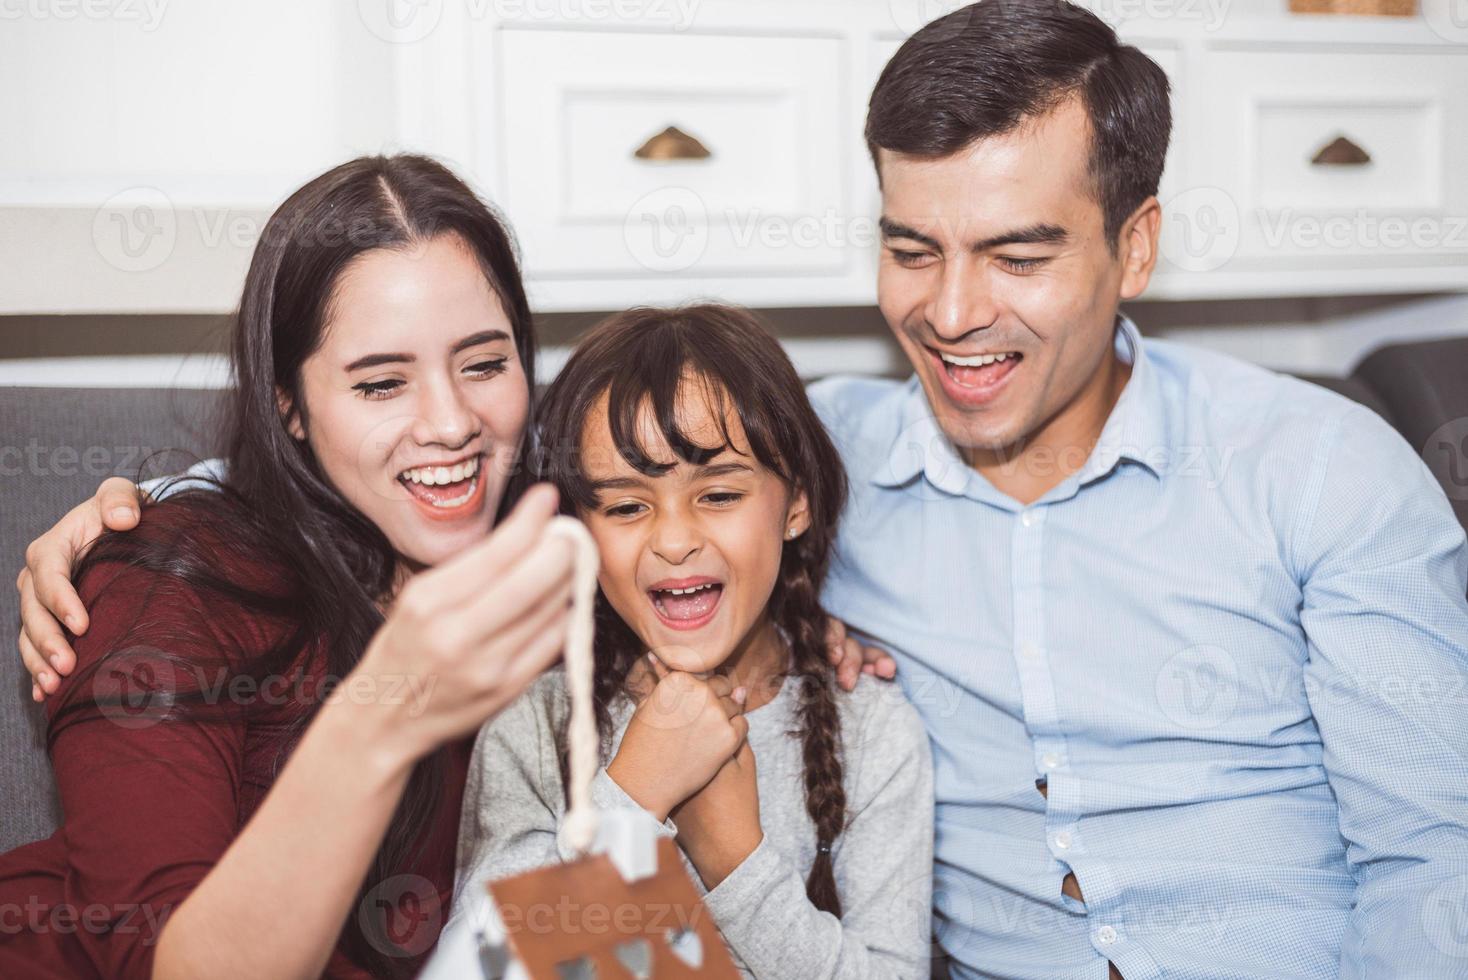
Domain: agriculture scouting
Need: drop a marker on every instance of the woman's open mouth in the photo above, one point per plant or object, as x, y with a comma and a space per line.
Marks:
686, 604
975, 379
446, 492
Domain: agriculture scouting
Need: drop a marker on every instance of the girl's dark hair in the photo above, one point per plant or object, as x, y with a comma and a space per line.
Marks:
983, 69
639, 359
276, 540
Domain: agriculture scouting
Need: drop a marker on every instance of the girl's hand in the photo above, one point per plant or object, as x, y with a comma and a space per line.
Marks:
718, 827
47, 598
464, 638
683, 731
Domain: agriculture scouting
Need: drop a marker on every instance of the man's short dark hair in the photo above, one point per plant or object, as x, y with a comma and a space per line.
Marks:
983, 69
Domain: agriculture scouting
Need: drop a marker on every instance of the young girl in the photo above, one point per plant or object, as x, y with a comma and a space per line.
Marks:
684, 440
230, 808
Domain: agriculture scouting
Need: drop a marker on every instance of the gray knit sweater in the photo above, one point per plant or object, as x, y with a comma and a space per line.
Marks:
514, 801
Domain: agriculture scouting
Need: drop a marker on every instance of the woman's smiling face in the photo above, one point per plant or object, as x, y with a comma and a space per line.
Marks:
415, 403
716, 528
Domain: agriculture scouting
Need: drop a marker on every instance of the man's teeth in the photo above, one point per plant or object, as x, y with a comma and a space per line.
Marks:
978, 360
442, 475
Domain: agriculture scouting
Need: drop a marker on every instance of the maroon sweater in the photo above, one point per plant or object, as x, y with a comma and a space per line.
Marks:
150, 805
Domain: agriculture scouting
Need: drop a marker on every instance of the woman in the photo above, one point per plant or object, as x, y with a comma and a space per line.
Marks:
262, 746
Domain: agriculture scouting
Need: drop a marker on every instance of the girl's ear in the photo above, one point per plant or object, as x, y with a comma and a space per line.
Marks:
797, 515
288, 414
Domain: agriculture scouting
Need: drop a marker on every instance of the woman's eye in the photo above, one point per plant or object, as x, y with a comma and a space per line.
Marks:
487, 369
723, 498
378, 389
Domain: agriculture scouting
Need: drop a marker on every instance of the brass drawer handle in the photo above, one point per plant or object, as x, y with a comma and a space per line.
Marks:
672, 144
1340, 152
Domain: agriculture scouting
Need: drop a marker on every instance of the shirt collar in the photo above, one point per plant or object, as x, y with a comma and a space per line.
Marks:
1135, 430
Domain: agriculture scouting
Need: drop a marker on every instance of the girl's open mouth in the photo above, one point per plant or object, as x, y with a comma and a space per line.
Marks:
686, 604
447, 492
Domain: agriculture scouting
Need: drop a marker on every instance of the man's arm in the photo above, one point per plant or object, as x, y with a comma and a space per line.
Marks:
1384, 568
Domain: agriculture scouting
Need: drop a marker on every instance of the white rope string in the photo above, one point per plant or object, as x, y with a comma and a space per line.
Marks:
578, 830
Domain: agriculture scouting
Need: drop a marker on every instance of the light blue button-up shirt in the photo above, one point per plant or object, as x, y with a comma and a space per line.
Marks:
1235, 647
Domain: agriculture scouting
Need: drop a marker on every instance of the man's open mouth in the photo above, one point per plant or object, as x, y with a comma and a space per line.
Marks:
979, 371
448, 490
686, 604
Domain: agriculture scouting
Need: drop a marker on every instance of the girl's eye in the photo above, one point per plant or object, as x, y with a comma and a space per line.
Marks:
487, 369
723, 498
378, 389
623, 510
1021, 264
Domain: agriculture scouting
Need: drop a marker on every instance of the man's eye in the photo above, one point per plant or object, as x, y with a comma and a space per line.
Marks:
487, 369
1017, 264
378, 389
908, 258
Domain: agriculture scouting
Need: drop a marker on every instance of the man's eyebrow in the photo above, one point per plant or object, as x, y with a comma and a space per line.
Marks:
473, 340
1041, 234
894, 229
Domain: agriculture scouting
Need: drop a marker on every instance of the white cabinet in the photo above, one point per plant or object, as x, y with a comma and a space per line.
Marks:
138, 160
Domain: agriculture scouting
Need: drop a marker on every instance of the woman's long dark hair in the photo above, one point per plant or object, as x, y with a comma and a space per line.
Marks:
639, 359
276, 516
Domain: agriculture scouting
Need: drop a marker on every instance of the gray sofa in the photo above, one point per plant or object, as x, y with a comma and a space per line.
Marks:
61, 443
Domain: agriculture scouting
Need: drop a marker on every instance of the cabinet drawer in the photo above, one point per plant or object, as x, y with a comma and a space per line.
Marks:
740, 173
1330, 157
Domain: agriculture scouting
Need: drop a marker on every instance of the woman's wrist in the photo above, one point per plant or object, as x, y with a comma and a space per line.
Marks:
370, 733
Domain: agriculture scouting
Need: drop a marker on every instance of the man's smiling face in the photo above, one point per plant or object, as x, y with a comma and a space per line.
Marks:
997, 279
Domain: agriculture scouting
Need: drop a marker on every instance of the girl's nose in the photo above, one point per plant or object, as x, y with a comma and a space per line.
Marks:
675, 539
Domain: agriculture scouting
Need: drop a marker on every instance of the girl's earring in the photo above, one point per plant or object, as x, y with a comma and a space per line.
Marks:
790, 533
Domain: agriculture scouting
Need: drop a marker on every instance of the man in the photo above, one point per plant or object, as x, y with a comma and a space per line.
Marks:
1189, 637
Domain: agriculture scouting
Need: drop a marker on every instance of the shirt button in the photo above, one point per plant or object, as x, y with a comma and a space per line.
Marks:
1027, 517
1062, 840
1107, 935
1050, 759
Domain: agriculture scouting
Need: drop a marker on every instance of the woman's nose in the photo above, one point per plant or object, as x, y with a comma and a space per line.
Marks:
445, 417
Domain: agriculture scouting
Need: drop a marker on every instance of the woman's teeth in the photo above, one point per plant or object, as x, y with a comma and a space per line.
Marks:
441, 475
